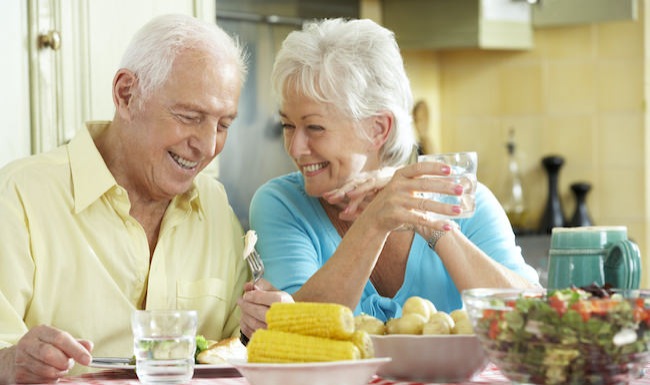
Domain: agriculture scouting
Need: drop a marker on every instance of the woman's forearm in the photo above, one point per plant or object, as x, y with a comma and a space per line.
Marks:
343, 277
470, 267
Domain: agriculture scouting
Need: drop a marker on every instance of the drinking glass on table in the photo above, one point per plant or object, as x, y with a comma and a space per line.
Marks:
164, 343
463, 171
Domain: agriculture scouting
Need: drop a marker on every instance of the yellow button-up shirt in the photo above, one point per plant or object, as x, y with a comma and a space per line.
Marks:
72, 257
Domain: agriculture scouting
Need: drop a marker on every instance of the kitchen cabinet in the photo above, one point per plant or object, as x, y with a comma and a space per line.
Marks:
63, 55
551, 13
441, 24
491, 24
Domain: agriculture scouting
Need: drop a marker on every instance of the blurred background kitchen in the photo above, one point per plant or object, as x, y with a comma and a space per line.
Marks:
565, 80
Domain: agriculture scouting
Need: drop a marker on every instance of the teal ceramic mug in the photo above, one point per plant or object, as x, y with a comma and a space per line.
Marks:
581, 256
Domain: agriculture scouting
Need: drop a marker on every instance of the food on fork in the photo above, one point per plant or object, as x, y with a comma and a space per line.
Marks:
250, 239
309, 332
221, 352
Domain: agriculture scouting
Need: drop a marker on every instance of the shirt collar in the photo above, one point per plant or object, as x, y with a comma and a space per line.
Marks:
91, 178
189, 201
90, 175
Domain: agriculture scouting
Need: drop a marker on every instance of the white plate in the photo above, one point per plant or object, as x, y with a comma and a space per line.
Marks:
120, 365
353, 372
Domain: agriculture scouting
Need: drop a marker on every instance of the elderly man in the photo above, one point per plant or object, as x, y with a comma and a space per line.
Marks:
120, 218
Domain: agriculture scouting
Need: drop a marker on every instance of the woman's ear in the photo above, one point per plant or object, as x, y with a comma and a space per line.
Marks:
124, 85
382, 125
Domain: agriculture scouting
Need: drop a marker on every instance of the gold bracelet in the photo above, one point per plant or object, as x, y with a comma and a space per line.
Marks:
435, 237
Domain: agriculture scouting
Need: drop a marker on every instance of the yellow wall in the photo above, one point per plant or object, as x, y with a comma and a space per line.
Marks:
579, 93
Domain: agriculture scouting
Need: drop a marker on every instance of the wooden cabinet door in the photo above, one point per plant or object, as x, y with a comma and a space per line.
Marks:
108, 27
14, 94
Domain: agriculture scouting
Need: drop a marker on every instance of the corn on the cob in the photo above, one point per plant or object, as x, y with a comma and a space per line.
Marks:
361, 339
327, 320
273, 346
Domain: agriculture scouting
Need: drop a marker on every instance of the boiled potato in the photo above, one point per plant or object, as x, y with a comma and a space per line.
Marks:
410, 323
442, 316
436, 326
418, 305
463, 326
459, 314
369, 324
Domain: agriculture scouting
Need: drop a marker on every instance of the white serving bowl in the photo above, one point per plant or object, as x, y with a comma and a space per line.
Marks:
430, 358
351, 372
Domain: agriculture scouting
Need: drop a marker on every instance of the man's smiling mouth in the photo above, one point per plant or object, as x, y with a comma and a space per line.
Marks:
184, 163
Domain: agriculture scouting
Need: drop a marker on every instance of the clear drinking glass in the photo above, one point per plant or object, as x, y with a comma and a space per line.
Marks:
463, 171
164, 343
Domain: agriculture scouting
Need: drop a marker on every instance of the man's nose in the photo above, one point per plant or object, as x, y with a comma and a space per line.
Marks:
205, 138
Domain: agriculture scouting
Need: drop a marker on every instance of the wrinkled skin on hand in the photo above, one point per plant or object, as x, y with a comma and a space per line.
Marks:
255, 302
399, 205
359, 191
43, 355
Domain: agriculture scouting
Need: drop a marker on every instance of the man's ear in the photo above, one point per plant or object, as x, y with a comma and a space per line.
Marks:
124, 86
382, 125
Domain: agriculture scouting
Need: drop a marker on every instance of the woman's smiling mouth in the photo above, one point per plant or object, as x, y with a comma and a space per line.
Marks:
311, 168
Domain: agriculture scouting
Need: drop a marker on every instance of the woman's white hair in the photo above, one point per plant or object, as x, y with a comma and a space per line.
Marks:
153, 49
356, 66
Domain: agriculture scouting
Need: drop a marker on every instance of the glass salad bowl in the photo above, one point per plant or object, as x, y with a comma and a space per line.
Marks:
568, 336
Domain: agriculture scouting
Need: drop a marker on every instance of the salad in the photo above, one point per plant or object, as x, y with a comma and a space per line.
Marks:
201, 344
569, 336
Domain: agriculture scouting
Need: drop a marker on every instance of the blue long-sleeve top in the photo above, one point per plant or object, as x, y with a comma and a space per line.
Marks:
296, 238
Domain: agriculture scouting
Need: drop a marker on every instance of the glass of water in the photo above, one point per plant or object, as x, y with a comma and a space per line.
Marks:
164, 343
463, 171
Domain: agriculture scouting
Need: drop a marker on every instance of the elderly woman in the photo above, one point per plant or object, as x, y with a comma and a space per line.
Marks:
345, 103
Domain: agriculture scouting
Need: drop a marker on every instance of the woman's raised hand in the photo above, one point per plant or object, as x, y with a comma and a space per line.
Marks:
398, 206
359, 191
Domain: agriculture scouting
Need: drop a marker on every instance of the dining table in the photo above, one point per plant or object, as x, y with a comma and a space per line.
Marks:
230, 376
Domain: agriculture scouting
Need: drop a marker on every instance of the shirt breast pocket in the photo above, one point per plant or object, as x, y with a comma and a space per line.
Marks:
205, 295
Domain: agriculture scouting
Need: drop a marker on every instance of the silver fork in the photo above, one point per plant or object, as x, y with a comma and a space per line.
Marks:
256, 265
257, 270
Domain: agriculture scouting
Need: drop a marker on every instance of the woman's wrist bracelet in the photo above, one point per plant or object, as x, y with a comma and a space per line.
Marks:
435, 237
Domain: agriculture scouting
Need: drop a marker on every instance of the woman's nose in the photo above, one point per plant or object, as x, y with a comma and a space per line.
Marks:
296, 142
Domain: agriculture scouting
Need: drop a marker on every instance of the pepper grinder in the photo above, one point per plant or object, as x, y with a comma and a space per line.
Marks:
581, 215
553, 214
